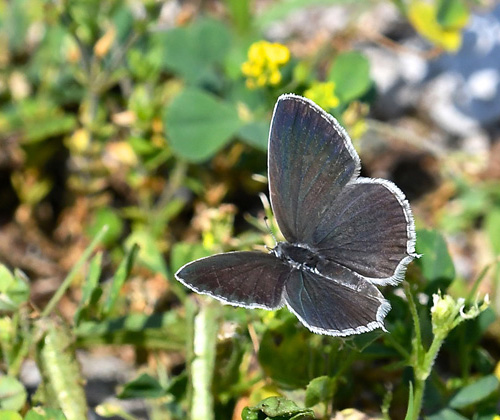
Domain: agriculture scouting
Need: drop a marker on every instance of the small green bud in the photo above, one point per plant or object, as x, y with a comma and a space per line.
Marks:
444, 311
447, 313
6, 329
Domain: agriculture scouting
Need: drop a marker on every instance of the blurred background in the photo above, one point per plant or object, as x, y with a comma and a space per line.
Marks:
152, 118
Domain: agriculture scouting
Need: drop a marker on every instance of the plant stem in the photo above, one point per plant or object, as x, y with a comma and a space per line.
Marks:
418, 397
420, 356
416, 322
203, 361
69, 278
424, 360
422, 372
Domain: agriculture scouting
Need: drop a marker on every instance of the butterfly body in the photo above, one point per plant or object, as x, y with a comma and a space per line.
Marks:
296, 256
344, 234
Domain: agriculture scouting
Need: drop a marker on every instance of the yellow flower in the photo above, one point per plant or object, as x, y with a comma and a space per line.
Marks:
353, 119
264, 61
323, 93
497, 374
423, 16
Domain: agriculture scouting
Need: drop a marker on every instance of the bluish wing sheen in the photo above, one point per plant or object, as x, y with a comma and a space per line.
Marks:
370, 231
327, 306
250, 279
310, 161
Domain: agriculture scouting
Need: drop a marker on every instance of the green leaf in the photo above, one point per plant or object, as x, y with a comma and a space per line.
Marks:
12, 394
241, 14
71, 275
6, 278
492, 226
149, 255
142, 146
320, 389
409, 411
256, 134
158, 331
475, 392
178, 385
43, 413
90, 285
436, 263
227, 372
145, 386
10, 415
33, 415
471, 203
291, 355
141, 103
119, 278
248, 414
452, 14
446, 414
199, 124
351, 74
194, 51
38, 119
14, 289
106, 216
277, 407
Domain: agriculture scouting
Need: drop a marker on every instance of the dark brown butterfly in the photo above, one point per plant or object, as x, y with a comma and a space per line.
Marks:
345, 234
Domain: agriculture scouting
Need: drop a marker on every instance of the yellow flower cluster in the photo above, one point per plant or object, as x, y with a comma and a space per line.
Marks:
264, 61
423, 16
323, 93
353, 118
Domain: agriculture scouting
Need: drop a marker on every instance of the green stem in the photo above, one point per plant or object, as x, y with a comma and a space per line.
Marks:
419, 363
416, 321
496, 283
203, 361
71, 275
418, 395
422, 372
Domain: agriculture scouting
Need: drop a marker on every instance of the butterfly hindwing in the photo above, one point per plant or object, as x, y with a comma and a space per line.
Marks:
333, 308
370, 232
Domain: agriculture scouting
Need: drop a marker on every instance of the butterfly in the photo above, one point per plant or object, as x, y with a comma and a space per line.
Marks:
345, 234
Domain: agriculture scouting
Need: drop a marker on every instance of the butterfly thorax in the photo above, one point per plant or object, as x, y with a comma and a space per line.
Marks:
296, 256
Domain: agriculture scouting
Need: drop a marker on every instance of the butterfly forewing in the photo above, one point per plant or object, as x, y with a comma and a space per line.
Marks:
309, 163
250, 279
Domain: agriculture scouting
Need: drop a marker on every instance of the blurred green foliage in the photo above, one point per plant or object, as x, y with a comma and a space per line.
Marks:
128, 127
